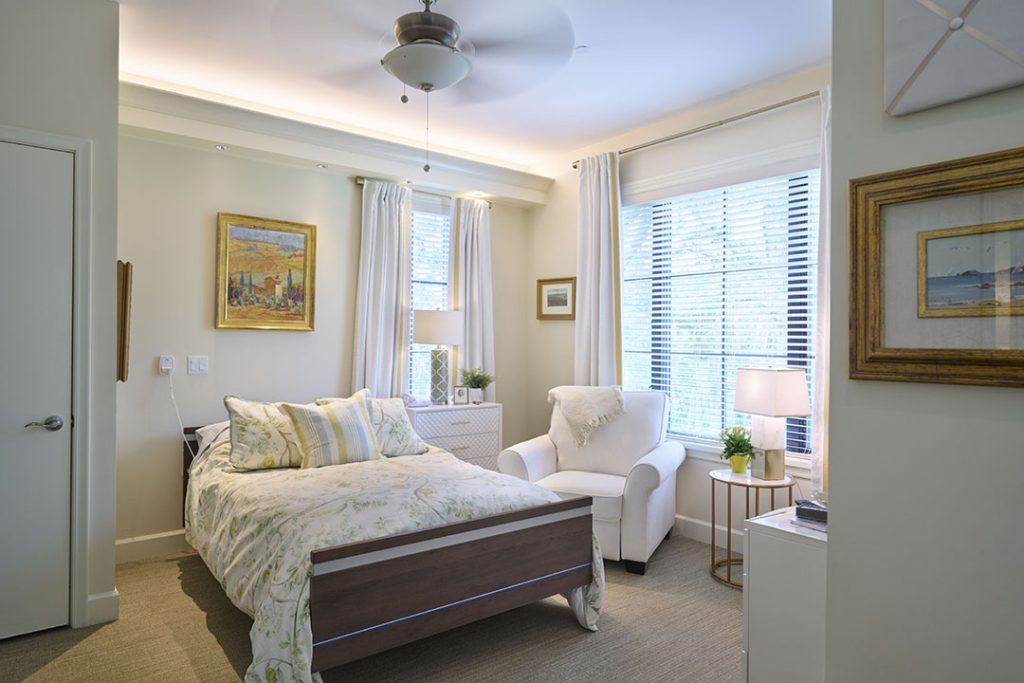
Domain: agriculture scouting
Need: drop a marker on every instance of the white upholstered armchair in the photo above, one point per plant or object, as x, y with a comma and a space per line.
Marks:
627, 467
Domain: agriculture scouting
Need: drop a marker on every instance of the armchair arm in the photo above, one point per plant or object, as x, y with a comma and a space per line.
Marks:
530, 460
652, 469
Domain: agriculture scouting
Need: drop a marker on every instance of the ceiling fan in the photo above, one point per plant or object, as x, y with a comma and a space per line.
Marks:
507, 48
432, 53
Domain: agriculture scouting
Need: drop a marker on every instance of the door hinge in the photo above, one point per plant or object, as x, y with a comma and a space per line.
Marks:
72, 421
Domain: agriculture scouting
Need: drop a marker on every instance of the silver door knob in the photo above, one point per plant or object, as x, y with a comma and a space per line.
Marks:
52, 423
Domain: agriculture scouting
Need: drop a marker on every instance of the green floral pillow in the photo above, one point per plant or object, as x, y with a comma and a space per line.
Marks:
262, 436
391, 425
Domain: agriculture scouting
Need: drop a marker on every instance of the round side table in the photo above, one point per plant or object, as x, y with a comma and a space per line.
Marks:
747, 482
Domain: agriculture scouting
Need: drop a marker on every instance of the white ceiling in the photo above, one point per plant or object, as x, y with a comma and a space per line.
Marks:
319, 60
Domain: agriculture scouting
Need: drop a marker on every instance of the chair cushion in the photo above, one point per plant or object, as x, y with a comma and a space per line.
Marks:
616, 446
606, 490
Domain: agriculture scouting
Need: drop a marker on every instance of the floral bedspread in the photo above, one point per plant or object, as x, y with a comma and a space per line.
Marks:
255, 531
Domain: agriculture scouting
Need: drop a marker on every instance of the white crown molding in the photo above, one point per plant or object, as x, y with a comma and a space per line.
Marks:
783, 154
149, 109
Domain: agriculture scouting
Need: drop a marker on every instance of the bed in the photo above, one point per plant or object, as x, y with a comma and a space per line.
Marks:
338, 563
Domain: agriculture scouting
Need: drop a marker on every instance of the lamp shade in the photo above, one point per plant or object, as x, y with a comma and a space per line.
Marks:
773, 392
443, 328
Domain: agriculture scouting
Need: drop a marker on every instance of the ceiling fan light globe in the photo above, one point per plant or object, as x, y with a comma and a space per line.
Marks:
426, 65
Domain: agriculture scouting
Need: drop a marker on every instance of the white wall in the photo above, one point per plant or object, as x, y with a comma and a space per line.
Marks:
58, 74
552, 253
924, 558
170, 192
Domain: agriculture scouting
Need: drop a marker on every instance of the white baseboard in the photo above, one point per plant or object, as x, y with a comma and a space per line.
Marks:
700, 530
150, 546
100, 608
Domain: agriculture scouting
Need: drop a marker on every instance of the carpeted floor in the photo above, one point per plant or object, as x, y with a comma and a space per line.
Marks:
674, 624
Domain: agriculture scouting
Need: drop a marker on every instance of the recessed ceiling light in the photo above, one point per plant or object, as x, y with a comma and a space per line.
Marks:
221, 148
478, 194
321, 165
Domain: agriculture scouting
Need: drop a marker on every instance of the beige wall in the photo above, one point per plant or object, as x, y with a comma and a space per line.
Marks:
552, 253
924, 558
170, 194
58, 74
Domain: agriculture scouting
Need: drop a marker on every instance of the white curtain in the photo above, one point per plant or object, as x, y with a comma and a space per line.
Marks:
382, 300
597, 271
471, 219
819, 446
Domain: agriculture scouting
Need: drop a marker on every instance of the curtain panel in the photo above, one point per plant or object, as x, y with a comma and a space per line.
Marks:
819, 446
471, 219
382, 299
597, 272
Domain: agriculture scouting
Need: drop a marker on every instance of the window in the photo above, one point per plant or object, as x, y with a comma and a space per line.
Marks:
714, 281
430, 267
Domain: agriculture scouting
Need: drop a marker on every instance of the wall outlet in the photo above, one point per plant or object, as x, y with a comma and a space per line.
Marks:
166, 365
198, 365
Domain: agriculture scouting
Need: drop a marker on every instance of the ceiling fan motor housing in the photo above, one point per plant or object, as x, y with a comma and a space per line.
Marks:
428, 25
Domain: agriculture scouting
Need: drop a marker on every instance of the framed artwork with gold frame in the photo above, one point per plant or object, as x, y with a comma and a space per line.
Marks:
937, 273
556, 298
266, 273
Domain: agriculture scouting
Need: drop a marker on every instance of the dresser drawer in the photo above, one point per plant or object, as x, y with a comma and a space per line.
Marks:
443, 423
471, 447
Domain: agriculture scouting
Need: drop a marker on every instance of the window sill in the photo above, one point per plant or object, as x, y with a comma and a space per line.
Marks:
798, 466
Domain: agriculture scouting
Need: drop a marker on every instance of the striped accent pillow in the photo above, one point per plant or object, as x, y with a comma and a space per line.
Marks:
334, 434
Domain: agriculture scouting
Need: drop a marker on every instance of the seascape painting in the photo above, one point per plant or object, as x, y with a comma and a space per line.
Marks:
972, 271
265, 273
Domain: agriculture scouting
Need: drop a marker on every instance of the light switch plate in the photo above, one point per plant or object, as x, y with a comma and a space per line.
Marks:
198, 365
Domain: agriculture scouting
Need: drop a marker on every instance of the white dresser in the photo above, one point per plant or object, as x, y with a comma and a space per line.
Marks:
471, 432
783, 600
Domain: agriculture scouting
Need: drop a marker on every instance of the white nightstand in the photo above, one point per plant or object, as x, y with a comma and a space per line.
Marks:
471, 432
783, 600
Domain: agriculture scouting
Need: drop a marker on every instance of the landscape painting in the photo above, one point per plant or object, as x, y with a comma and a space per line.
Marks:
972, 271
265, 273
556, 299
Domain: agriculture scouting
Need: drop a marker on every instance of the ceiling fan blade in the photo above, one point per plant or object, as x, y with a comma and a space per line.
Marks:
474, 90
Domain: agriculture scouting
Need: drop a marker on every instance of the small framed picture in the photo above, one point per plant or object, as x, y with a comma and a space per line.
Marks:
556, 299
460, 396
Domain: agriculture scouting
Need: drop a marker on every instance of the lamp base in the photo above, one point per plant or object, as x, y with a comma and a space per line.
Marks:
439, 376
769, 464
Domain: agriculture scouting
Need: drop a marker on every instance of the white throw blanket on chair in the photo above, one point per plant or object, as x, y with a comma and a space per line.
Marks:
587, 408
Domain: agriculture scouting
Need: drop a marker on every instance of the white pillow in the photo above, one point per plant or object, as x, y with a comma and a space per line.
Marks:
262, 435
210, 433
391, 426
336, 433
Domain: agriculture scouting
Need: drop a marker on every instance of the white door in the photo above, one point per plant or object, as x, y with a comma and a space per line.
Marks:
36, 234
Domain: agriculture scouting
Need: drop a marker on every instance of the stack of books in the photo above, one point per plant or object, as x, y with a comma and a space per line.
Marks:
812, 515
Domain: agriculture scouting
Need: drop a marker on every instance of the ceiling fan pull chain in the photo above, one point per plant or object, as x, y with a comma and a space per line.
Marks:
426, 166
405, 97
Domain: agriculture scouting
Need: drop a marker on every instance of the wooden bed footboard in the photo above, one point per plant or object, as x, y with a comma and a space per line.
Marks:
375, 595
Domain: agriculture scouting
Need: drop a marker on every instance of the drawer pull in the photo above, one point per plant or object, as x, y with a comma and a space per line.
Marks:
461, 422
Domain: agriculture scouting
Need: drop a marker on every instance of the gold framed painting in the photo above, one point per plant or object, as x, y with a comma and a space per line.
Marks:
266, 273
937, 273
556, 299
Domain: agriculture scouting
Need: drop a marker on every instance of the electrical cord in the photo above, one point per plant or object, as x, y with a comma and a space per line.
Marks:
177, 413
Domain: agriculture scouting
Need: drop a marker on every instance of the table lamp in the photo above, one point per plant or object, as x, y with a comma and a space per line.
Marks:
443, 328
770, 395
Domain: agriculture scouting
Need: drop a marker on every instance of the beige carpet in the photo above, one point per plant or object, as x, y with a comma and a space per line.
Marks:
674, 624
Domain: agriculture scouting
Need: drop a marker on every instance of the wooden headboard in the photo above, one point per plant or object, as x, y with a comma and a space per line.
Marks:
190, 440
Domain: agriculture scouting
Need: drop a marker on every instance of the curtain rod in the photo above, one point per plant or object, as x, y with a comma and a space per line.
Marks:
716, 124
360, 180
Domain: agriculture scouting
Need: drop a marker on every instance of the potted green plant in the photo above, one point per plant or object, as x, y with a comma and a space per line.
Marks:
477, 380
736, 448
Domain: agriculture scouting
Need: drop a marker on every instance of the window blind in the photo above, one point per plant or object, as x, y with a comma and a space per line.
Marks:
430, 267
717, 280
